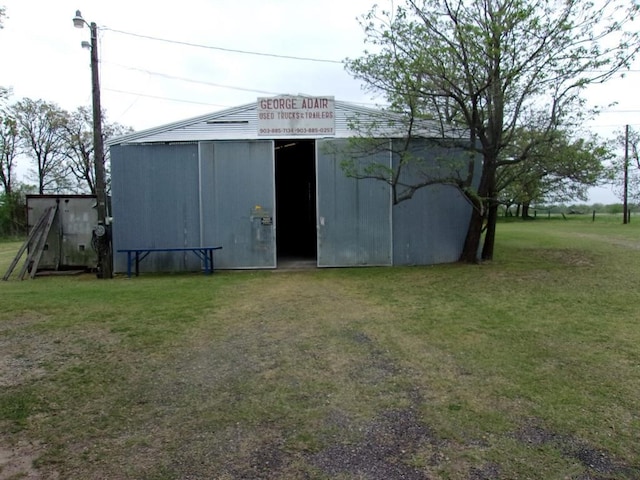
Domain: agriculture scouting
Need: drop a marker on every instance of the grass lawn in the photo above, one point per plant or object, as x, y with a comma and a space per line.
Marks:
524, 367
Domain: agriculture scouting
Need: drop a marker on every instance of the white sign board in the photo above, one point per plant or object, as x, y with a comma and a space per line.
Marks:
294, 116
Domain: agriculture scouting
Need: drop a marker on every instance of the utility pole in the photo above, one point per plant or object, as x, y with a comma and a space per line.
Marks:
101, 231
625, 208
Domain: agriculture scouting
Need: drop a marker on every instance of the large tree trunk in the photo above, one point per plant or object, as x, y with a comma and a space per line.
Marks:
490, 235
492, 219
474, 236
486, 188
474, 232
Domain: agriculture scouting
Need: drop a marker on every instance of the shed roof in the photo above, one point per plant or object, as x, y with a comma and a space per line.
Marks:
241, 123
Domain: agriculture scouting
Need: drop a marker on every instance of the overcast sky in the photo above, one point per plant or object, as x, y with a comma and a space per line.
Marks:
149, 82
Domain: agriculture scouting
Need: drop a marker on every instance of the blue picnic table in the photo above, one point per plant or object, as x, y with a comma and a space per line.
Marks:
138, 254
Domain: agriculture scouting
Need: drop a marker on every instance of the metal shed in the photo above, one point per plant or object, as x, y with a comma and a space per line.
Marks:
268, 186
68, 242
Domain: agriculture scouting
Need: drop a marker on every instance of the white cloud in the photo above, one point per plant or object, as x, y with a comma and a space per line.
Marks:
42, 57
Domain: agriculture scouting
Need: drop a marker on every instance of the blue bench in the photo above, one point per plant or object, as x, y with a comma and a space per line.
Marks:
138, 254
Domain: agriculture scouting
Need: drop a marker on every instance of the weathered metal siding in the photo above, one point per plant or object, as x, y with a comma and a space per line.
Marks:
155, 204
430, 227
215, 186
69, 241
238, 199
354, 218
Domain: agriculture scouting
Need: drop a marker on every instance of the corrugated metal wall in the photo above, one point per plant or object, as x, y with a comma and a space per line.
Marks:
238, 201
431, 227
354, 217
223, 193
155, 203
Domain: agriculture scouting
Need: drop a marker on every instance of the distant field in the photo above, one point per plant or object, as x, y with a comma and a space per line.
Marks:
524, 367
578, 215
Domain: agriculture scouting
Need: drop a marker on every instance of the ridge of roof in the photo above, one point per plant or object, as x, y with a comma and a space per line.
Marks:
349, 107
179, 124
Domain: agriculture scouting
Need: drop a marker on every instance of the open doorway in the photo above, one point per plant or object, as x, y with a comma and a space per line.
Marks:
295, 200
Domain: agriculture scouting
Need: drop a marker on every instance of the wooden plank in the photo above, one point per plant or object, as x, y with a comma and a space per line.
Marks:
33, 246
43, 241
24, 246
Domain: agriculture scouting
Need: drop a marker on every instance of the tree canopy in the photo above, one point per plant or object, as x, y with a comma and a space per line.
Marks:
629, 163
40, 127
58, 145
559, 169
490, 69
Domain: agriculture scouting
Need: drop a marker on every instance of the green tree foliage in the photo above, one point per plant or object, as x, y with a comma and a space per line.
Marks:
448, 160
492, 68
13, 210
632, 166
41, 128
9, 141
78, 134
79, 147
634, 161
556, 170
58, 144
12, 205
9, 144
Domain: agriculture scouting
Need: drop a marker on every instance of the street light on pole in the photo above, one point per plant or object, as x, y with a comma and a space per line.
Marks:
101, 232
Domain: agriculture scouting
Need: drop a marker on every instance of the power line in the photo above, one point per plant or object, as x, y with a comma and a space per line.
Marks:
178, 100
157, 97
274, 55
622, 71
201, 82
614, 110
613, 125
231, 50
191, 80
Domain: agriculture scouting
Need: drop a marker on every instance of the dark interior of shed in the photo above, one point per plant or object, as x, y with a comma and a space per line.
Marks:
295, 199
